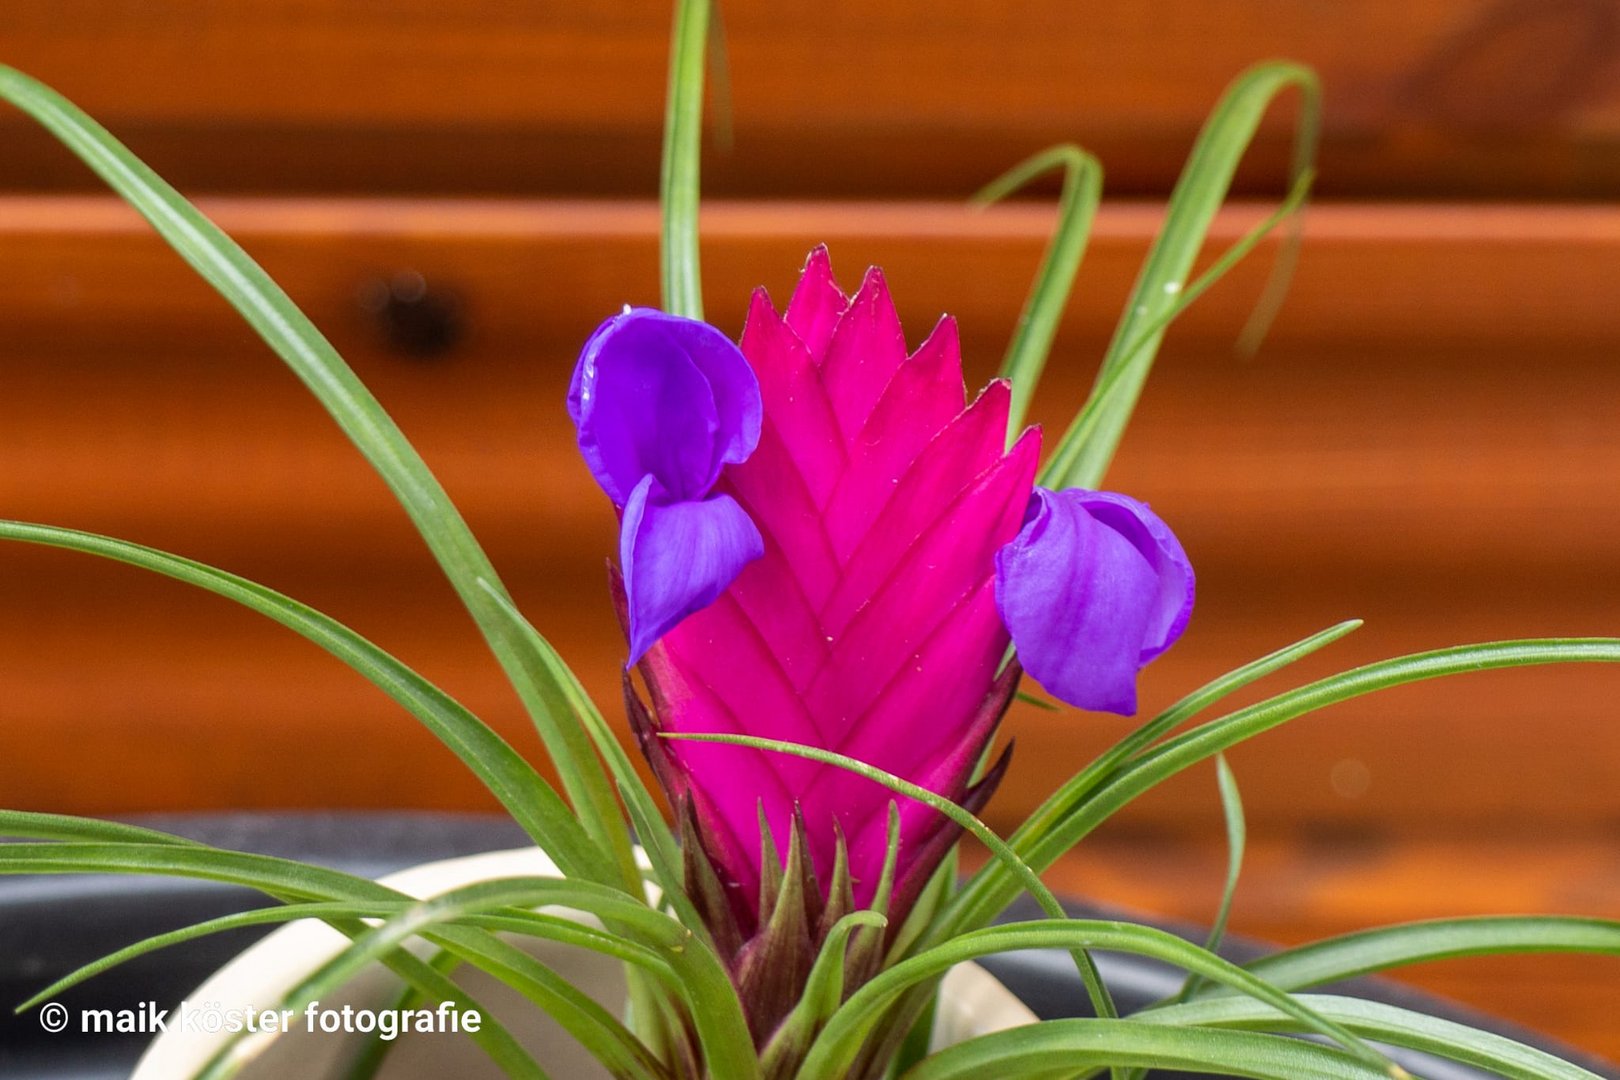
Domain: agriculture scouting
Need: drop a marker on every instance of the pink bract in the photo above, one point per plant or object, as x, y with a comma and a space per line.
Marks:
869, 626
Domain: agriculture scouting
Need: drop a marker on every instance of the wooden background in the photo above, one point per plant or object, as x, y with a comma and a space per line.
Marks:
1428, 440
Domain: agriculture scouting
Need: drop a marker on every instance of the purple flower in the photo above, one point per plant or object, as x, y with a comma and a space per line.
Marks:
662, 404
1092, 588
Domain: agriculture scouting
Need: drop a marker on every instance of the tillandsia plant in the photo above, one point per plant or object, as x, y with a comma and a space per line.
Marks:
822, 543
833, 571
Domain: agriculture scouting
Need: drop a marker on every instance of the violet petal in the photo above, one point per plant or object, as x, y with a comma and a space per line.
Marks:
1093, 588
678, 556
659, 395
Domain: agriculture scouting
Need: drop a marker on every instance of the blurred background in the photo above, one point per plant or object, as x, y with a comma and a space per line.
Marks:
457, 193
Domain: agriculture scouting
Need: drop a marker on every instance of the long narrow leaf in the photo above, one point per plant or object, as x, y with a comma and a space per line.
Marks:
30, 825
1110, 394
992, 888
223, 924
280, 878
98, 847
683, 146
655, 835
1031, 343
1062, 802
1384, 1024
1062, 1047
288, 879
549, 927
1198, 195
524, 794
278, 321
848, 1027
1369, 951
622, 1055
1236, 839
491, 1037
642, 936
656, 838
823, 991
377, 1046
592, 1026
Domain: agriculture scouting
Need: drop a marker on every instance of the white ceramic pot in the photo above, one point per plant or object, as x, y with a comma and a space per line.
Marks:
971, 1003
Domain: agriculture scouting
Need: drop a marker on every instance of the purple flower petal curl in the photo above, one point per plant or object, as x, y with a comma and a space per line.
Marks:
678, 556
1092, 589
661, 404
663, 396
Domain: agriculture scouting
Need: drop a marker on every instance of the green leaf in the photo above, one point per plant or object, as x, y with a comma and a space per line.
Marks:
848, 1028
1236, 837
278, 321
683, 146
1197, 197
566, 697
656, 837
257, 917
592, 1026
866, 947
1385, 1024
583, 1018
667, 876
699, 978
597, 1030
374, 1054
911, 1029
1061, 803
1037, 701
331, 894
279, 878
823, 991
1038, 323
1031, 883
1370, 951
1109, 396
552, 928
993, 887
1053, 1046
282, 878
521, 790
1214, 736
29, 825
491, 1037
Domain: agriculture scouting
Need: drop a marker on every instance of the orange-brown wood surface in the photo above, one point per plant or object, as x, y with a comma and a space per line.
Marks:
1428, 441
1438, 98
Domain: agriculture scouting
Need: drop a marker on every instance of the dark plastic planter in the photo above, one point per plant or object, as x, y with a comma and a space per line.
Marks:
48, 926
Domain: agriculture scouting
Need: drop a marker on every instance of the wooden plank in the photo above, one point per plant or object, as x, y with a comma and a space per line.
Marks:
1427, 441
1451, 97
